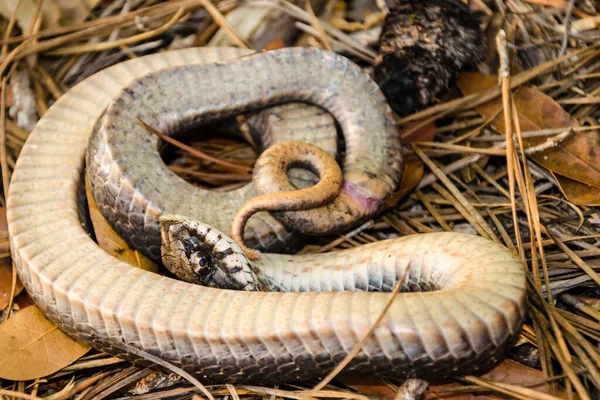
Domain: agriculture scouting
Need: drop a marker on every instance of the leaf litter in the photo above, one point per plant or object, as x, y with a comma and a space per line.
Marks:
461, 174
571, 156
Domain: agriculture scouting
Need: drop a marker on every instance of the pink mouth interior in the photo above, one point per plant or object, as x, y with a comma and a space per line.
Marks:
369, 204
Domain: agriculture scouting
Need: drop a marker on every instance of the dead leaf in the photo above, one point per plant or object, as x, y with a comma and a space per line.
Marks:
436, 392
577, 192
6, 264
54, 12
575, 161
425, 133
111, 242
6, 282
32, 347
3, 221
508, 371
9, 96
413, 167
368, 385
275, 44
375, 388
513, 373
411, 176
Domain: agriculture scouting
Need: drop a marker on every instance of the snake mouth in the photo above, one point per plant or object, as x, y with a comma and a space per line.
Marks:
364, 201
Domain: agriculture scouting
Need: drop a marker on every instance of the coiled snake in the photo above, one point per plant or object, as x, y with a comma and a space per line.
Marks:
472, 308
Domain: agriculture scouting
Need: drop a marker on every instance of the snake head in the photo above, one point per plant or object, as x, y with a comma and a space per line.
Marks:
198, 253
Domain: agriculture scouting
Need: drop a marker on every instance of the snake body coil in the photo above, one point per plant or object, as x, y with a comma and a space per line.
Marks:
463, 326
133, 188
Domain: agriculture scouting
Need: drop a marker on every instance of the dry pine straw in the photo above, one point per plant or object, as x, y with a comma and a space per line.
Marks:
475, 181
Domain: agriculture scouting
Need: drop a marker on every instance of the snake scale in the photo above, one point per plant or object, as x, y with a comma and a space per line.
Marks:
133, 187
470, 308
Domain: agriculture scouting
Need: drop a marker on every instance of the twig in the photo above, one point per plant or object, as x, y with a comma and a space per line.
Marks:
341, 45
169, 366
470, 213
304, 394
225, 25
476, 99
303, 16
367, 335
3, 164
367, 225
191, 150
504, 76
108, 23
565, 40
551, 142
232, 392
518, 392
105, 25
316, 24
88, 47
492, 151
9, 28
19, 395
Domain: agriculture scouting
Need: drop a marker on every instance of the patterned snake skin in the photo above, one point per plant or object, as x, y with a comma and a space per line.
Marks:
470, 312
133, 188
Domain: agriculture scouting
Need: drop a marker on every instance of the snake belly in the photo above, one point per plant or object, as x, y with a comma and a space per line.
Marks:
133, 188
231, 336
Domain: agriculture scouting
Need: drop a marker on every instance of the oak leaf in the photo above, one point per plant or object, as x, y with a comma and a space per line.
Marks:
6, 264
508, 371
575, 162
6, 282
110, 241
411, 176
32, 347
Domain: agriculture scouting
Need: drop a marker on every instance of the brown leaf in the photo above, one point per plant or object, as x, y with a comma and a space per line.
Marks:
9, 96
577, 192
369, 385
411, 176
275, 44
111, 242
506, 372
436, 392
6, 265
375, 388
577, 158
32, 347
6, 282
513, 373
3, 222
425, 133
509, 372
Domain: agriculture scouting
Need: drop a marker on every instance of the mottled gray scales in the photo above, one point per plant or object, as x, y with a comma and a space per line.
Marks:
304, 75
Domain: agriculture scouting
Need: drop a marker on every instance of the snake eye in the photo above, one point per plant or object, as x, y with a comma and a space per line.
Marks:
199, 263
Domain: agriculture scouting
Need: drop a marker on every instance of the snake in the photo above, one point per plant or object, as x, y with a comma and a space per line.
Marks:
133, 188
465, 306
